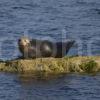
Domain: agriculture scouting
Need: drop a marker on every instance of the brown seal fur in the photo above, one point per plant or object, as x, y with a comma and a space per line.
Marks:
43, 48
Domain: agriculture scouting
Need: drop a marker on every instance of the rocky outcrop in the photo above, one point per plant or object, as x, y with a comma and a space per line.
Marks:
53, 65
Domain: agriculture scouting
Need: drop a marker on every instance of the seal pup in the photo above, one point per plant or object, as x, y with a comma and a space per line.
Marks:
43, 48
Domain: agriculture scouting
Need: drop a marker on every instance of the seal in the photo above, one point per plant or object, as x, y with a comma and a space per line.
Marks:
43, 48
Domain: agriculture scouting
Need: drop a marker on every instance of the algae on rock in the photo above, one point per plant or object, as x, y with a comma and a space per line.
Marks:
52, 65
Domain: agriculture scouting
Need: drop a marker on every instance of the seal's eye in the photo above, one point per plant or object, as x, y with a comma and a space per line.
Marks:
19, 40
26, 41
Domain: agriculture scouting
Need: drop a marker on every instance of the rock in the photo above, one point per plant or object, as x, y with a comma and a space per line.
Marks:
53, 65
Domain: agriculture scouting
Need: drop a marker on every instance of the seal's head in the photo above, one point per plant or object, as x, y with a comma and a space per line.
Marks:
24, 44
24, 41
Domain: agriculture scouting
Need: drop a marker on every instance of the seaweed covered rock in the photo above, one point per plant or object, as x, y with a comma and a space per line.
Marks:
53, 65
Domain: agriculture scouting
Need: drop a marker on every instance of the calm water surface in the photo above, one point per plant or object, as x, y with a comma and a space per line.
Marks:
67, 87
56, 19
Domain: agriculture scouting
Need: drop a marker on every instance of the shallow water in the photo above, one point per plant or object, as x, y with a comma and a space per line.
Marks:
54, 19
50, 19
64, 87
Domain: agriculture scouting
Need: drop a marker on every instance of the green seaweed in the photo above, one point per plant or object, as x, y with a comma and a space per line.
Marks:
52, 65
89, 66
